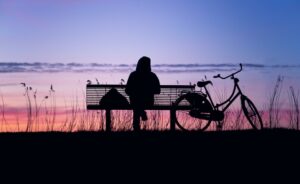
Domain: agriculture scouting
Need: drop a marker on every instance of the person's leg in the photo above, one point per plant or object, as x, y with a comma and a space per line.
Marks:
148, 102
136, 120
144, 115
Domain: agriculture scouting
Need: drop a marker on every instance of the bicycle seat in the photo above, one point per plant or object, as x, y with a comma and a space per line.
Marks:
201, 84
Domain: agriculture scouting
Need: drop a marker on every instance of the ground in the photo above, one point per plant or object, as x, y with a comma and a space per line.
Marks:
151, 154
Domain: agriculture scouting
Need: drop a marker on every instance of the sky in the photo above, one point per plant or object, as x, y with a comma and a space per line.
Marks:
65, 43
168, 31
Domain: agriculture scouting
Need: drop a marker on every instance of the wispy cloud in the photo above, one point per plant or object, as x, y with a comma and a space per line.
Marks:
37, 67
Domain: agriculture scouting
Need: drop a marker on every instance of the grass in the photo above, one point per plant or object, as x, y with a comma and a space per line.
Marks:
79, 146
275, 104
294, 108
42, 114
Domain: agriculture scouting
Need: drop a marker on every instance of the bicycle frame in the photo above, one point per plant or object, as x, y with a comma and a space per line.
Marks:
214, 114
231, 98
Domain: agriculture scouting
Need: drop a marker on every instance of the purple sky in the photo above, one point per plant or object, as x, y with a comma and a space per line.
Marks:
168, 31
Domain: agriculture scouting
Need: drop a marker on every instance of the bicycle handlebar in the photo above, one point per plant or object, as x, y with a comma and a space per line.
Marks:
231, 75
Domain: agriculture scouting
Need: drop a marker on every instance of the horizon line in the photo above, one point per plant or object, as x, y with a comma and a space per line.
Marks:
44, 67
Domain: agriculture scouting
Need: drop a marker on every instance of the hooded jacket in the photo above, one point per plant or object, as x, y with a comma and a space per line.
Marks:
142, 84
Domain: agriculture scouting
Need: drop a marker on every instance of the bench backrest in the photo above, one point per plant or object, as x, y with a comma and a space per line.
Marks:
168, 95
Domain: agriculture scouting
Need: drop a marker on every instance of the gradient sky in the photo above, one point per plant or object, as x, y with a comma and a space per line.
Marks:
169, 31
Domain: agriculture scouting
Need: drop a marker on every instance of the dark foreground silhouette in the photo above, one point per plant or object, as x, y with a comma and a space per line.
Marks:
173, 155
190, 108
141, 86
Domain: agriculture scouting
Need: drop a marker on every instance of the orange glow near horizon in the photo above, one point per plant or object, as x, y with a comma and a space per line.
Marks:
68, 96
83, 120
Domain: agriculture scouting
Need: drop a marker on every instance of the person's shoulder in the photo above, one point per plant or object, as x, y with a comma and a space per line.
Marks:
153, 74
133, 73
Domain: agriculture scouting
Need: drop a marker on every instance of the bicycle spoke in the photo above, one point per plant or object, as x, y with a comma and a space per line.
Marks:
184, 120
251, 113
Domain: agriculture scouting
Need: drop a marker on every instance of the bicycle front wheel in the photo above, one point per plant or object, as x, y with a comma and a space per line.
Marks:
251, 113
183, 118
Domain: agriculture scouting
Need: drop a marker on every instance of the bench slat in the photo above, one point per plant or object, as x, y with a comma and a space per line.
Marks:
155, 107
162, 101
123, 86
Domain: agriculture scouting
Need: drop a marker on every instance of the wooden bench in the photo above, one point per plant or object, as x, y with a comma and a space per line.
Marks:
162, 101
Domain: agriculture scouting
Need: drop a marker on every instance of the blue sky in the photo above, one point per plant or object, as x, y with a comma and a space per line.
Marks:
168, 31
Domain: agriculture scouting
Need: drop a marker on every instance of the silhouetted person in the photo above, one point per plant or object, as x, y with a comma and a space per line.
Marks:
141, 86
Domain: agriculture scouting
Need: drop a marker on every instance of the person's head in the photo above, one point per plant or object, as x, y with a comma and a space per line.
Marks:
144, 64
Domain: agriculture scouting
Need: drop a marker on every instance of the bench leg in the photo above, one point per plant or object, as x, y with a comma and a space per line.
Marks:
172, 119
108, 120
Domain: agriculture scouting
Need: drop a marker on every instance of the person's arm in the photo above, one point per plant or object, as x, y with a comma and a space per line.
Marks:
129, 85
156, 87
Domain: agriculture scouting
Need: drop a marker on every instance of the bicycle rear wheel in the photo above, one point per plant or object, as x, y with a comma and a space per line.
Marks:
251, 113
183, 118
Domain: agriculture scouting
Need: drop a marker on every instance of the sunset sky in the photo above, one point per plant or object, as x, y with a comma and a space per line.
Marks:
169, 31
64, 43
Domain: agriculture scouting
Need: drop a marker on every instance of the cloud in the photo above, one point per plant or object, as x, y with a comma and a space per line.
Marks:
37, 67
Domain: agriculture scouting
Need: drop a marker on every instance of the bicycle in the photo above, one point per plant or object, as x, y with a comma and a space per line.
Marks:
196, 110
